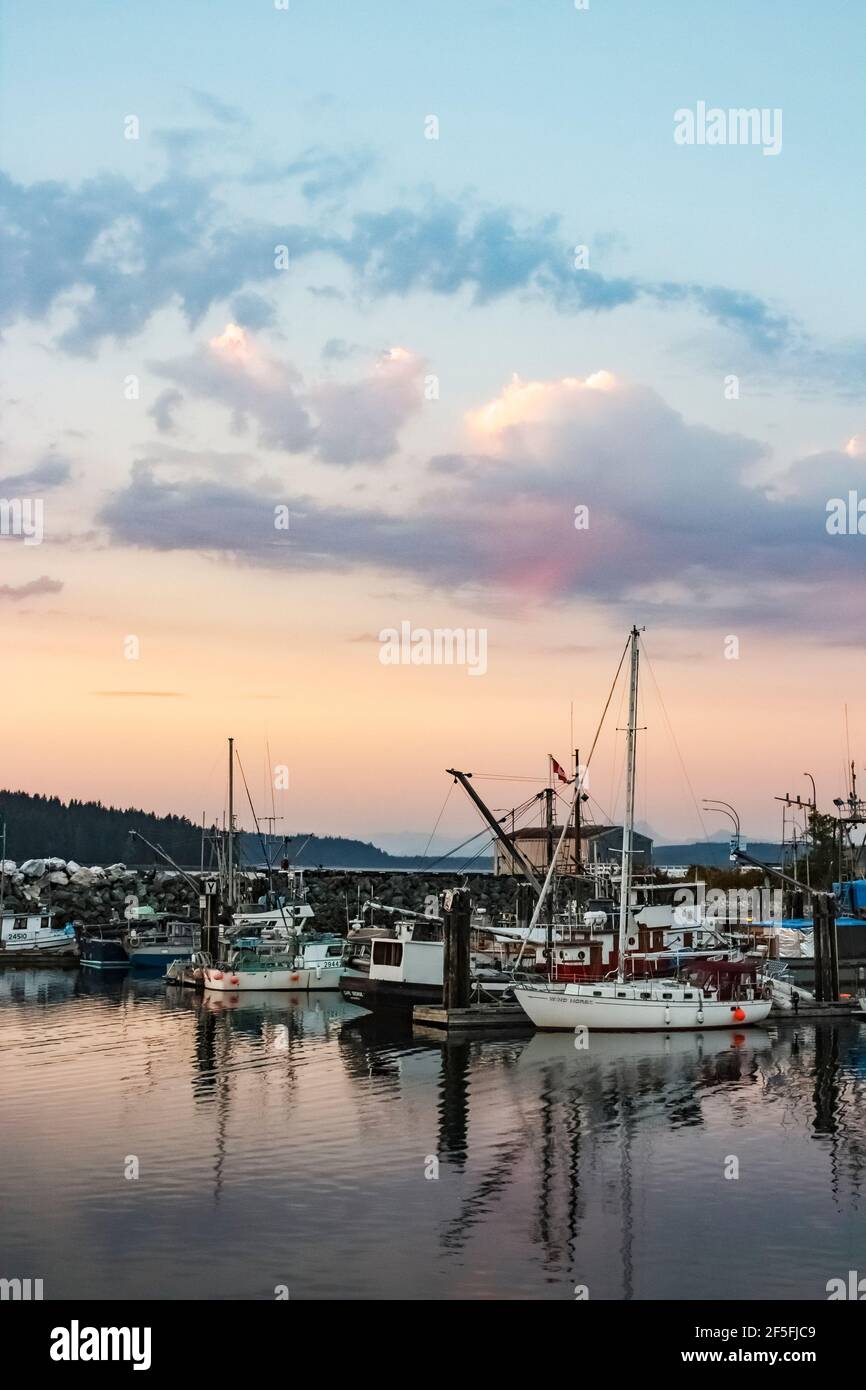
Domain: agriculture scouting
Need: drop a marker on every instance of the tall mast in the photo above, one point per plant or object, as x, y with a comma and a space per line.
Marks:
577, 783
231, 844
628, 825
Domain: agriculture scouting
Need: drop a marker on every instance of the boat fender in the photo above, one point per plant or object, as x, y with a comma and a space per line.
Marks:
295, 979
667, 1013
234, 980
700, 1015
739, 1014
217, 975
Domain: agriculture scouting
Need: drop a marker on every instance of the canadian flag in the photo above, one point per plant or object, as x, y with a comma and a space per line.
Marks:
557, 770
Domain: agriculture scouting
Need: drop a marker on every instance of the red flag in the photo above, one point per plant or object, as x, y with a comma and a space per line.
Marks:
557, 770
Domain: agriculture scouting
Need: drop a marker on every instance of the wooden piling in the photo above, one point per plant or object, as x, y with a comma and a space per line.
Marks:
456, 982
826, 947
833, 946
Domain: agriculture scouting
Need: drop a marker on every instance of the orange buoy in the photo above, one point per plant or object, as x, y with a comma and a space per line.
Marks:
217, 975
739, 1014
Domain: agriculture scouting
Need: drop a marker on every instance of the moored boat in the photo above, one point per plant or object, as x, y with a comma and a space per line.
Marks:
407, 968
152, 943
36, 931
103, 948
710, 994
631, 1005
307, 963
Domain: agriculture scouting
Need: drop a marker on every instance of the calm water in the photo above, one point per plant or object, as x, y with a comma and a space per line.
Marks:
284, 1141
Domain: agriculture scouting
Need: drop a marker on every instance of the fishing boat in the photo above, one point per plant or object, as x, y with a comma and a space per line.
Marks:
154, 941
38, 930
711, 993
312, 962
103, 948
407, 968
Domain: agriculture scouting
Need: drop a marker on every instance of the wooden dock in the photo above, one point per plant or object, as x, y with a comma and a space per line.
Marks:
476, 1018
814, 1009
68, 960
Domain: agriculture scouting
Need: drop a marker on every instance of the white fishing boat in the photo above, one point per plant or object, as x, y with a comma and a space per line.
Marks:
407, 968
35, 931
712, 993
312, 962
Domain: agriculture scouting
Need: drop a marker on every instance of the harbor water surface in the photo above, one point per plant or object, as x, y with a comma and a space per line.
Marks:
159, 1144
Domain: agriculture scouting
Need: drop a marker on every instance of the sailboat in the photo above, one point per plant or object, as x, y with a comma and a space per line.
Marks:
714, 991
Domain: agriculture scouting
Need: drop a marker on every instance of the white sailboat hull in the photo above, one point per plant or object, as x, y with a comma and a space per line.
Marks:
580, 1006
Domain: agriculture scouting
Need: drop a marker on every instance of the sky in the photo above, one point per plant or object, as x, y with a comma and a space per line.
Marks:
326, 319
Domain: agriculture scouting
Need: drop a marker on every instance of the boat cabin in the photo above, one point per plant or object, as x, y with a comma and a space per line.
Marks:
410, 957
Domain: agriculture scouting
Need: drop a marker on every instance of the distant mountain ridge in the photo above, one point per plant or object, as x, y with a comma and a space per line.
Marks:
713, 854
342, 852
91, 833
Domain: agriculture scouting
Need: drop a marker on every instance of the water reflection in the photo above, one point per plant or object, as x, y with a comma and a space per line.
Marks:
310, 1126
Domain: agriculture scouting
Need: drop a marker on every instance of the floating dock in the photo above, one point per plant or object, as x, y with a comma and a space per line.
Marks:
475, 1018
57, 961
815, 1009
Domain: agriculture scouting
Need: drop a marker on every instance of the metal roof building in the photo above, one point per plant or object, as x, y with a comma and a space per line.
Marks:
598, 844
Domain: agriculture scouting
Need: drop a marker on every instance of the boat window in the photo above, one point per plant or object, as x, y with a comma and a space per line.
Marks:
596, 993
335, 950
387, 952
45, 923
667, 996
646, 994
20, 923
621, 994
688, 996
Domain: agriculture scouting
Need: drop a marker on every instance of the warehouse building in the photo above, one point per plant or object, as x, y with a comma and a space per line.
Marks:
600, 844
